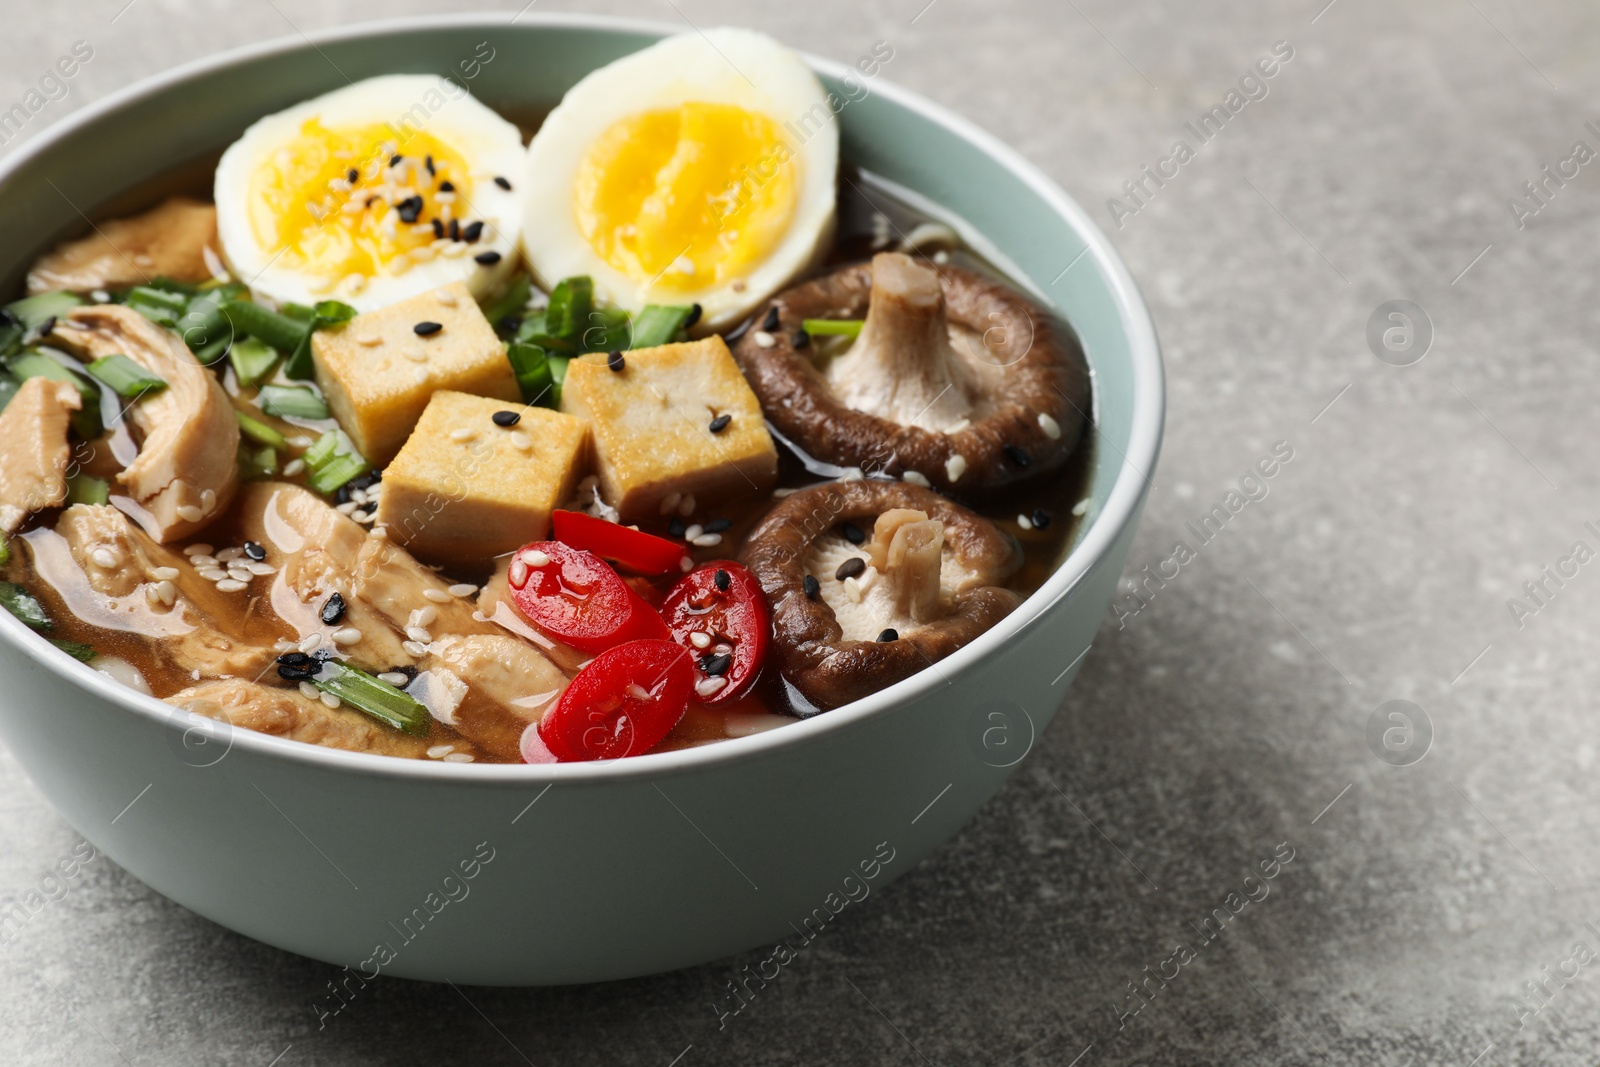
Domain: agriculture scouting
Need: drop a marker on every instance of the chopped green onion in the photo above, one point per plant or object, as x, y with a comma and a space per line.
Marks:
833, 327
125, 377
205, 326
284, 400
257, 464
531, 364
86, 421
607, 330
86, 489
328, 477
5, 550
379, 699
76, 649
326, 313
658, 325
298, 312
34, 311
172, 285
570, 304
260, 432
513, 300
322, 449
22, 604
253, 360
532, 331
279, 331
160, 307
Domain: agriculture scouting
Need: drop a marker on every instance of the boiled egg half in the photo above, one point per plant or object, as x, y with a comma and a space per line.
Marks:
373, 193
699, 170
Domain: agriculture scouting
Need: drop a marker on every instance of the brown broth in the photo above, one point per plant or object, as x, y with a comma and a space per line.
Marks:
861, 196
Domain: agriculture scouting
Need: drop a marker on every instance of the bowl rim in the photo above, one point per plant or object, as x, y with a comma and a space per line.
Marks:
1121, 506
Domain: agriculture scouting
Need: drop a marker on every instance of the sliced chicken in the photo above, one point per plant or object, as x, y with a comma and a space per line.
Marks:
186, 471
489, 688
112, 575
286, 713
168, 241
34, 452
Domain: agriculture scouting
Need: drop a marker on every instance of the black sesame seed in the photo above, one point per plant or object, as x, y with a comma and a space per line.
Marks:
294, 659
853, 533
455, 229
715, 665
720, 423
395, 161
802, 339
365, 481
409, 209
511, 323
471, 232
695, 311
447, 187
1041, 518
890, 634
438, 230
850, 568
718, 525
333, 610
506, 418
46, 326
812, 587
722, 580
486, 259
615, 361
301, 673
353, 175
429, 164
426, 329
371, 200
770, 323
1017, 455
255, 551
502, 183
676, 528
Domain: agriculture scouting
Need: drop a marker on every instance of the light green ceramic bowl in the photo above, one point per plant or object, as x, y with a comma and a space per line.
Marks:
580, 872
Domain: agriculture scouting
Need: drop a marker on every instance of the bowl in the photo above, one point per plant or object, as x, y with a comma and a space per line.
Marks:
533, 875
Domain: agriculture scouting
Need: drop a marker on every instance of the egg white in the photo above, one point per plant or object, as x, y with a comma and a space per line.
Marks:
490, 145
721, 66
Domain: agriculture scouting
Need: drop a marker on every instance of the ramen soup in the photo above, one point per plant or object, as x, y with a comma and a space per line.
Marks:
441, 441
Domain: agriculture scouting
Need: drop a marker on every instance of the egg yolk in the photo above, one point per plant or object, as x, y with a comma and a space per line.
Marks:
688, 197
340, 202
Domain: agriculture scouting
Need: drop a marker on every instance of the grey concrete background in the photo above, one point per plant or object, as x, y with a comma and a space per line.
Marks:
1224, 719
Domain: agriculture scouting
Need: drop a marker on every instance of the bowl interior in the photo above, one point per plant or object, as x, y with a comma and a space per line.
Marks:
60, 180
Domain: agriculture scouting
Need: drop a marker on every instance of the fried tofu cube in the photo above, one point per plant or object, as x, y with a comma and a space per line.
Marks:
674, 422
378, 371
464, 489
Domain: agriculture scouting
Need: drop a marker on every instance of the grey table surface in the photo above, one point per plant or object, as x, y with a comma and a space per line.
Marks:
1224, 721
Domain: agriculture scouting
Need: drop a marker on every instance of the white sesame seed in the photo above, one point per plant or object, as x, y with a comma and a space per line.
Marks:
229, 554
694, 531
764, 339
438, 596
300, 440
707, 687
535, 558
1051, 428
518, 573
309, 691
686, 507
189, 513
362, 517
310, 642
458, 757
1081, 507
686, 564
213, 574
440, 751
230, 585
239, 572
164, 574
521, 441
700, 639
463, 589
198, 550
368, 340
1024, 522
866, 578
347, 635
424, 616
380, 532
208, 500
200, 563
852, 589
670, 503
414, 648
394, 678
955, 467
167, 592
260, 568
463, 434
707, 540
416, 355
347, 508
151, 595
445, 297
638, 692
293, 467
916, 478
330, 700
419, 634
104, 557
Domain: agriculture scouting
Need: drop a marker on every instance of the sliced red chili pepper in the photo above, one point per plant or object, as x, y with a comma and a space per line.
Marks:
719, 613
636, 550
576, 598
621, 704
